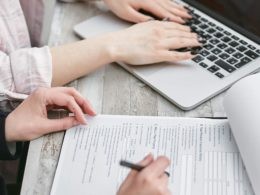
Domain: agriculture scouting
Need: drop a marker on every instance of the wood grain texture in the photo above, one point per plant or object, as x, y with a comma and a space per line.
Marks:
111, 90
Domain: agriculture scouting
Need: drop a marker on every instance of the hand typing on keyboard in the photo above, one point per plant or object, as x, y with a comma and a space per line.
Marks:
153, 42
129, 10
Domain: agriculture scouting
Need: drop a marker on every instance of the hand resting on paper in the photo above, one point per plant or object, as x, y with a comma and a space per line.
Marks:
152, 180
29, 120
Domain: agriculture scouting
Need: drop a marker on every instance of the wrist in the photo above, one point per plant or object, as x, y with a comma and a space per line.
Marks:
112, 48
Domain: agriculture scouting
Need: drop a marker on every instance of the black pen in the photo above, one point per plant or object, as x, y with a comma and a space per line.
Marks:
136, 166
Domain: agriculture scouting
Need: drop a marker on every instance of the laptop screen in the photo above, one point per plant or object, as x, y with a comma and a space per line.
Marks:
244, 13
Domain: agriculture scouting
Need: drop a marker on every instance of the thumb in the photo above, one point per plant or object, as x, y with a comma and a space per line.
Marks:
137, 17
53, 125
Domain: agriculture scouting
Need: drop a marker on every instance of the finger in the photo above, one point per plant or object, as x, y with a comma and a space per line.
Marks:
82, 102
176, 26
160, 12
176, 5
53, 125
62, 99
156, 168
174, 10
173, 56
135, 16
180, 33
145, 162
180, 42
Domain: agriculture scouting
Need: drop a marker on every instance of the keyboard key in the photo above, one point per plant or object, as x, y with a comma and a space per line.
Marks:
222, 46
219, 28
201, 33
194, 21
218, 35
238, 55
225, 66
212, 58
230, 50
226, 39
202, 64
258, 51
219, 75
251, 47
224, 56
243, 62
195, 15
232, 61
208, 37
208, 46
241, 48
214, 41
194, 29
227, 33
204, 53
203, 19
233, 44
198, 59
212, 24
235, 37
213, 69
203, 26
243, 42
251, 54
216, 51
211, 30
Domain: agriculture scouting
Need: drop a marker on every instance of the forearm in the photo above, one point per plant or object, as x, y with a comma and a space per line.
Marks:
80, 58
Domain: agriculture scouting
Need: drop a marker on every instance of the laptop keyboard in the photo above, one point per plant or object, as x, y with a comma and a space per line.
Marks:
224, 51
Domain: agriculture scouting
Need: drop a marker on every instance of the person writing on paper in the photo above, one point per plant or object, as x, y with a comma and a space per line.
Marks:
24, 68
29, 121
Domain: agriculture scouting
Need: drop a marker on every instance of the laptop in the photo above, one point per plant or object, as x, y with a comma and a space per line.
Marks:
232, 51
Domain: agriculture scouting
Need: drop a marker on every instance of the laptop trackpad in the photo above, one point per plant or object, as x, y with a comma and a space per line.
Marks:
165, 68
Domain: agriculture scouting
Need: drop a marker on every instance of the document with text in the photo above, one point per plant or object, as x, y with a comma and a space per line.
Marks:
205, 159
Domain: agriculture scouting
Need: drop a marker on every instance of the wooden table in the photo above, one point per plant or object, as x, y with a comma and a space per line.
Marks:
111, 90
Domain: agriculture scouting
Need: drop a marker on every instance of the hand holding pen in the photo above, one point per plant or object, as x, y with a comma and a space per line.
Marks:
151, 180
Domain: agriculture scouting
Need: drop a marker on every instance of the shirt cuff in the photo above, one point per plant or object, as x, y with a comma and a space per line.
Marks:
32, 70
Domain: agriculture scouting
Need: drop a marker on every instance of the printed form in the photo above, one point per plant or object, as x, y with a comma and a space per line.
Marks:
204, 157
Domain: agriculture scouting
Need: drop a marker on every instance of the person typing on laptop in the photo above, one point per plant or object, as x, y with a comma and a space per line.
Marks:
42, 66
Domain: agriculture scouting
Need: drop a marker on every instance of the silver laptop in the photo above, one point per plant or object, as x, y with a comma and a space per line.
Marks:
232, 30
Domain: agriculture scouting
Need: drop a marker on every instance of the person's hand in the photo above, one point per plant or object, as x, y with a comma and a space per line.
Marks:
129, 10
29, 120
152, 42
150, 181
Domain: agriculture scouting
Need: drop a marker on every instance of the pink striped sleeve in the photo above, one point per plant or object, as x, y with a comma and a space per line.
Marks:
24, 70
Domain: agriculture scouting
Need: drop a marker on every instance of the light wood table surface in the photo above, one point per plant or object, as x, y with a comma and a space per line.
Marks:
111, 90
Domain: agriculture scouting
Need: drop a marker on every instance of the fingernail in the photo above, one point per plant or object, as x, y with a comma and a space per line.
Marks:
202, 40
167, 19
75, 123
150, 19
186, 7
148, 156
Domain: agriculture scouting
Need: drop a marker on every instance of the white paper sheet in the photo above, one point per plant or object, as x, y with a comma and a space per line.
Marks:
242, 105
204, 157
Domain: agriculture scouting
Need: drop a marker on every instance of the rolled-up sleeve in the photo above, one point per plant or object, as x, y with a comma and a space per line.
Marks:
24, 70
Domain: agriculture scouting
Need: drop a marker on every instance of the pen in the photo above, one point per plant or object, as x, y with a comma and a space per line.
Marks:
136, 166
